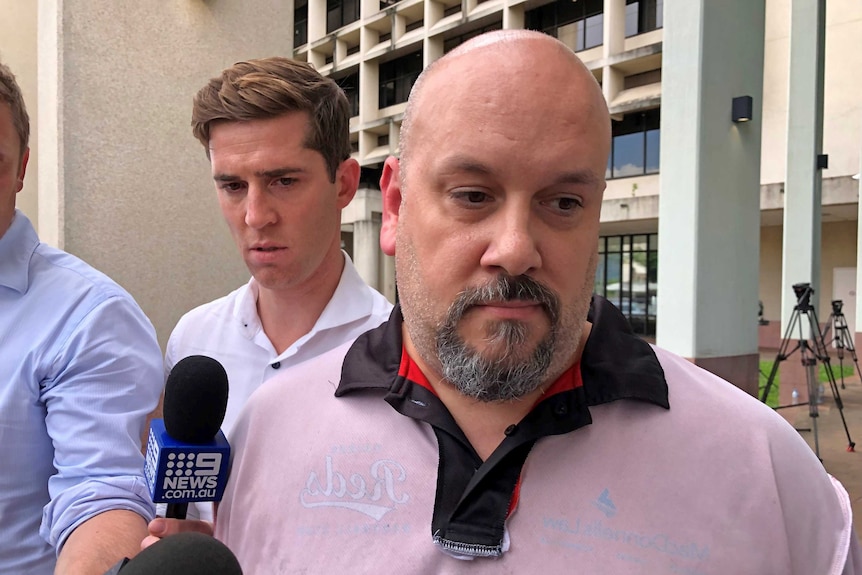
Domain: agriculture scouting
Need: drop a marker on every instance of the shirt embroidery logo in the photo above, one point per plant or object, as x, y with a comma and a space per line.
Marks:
373, 495
605, 504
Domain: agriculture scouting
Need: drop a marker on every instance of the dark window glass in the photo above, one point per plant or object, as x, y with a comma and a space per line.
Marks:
579, 25
451, 43
643, 16
452, 10
369, 176
300, 25
397, 77
652, 151
350, 85
626, 274
593, 31
628, 154
414, 25
341, 13
635, 146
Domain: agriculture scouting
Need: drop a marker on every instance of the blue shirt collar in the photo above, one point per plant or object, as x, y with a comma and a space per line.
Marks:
16, 248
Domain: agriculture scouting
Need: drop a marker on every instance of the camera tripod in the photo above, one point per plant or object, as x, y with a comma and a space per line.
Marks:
841, 339
811, 351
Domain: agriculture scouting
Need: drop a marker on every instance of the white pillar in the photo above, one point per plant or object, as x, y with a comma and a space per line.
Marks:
802, 188
366, 250
709, 213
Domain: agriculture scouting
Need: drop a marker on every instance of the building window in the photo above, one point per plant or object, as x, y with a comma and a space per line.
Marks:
643, 16
397, 77
340, 13
369, 176
450, 43
300, 24
577, 24
350, 85
642, 79
452, 10
635, 145
627, 275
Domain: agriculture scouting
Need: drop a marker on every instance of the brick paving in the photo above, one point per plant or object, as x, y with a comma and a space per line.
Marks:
845, 466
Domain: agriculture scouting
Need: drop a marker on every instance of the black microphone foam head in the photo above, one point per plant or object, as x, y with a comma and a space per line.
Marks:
195, 399
184, 554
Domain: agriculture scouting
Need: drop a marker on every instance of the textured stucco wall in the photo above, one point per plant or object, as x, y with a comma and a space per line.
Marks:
839, 250
138, 200
842, 107
18, 51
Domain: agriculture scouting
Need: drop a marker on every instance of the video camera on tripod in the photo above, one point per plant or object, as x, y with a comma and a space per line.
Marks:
841, 338
812, 348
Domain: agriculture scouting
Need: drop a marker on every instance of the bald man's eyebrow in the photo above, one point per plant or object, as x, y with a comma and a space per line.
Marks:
577, 177
465, 164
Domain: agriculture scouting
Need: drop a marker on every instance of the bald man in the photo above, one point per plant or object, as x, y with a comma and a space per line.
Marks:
502, 420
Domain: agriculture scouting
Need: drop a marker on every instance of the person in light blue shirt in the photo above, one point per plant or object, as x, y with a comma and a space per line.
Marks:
80, 370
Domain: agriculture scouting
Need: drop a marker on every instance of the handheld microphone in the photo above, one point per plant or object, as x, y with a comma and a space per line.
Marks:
187, 454
181, 554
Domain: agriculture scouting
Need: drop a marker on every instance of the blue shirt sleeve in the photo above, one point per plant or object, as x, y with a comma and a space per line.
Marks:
106, 377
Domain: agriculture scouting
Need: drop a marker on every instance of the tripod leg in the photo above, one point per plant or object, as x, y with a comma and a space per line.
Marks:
823, 355
851, 446
848, 345
782, 352
810, 365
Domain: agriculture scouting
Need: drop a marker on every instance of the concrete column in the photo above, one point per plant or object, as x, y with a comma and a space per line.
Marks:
316, 20
366, 250
802, 189
709, 213
513, 17
614, 35
614, 27
387, 287
432, 49
800, 257
364, 213
857, 343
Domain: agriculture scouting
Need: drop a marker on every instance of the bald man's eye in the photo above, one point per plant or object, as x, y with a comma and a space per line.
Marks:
471, 198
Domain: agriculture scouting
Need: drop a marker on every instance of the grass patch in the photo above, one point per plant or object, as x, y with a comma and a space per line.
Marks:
836, 371
766, 369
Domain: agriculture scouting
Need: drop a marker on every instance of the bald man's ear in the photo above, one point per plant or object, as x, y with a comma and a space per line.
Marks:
390, 188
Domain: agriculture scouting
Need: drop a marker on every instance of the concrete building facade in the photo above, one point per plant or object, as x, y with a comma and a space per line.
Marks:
122, 183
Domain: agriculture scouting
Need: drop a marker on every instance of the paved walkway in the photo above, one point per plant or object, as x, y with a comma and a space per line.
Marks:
832, 438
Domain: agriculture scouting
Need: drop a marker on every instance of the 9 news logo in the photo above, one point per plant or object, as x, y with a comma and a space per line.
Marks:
191, 475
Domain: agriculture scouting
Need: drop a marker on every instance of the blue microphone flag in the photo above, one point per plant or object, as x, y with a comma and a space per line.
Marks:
178, 472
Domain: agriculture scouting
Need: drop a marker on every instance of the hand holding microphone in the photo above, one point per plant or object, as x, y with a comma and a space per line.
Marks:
181, 554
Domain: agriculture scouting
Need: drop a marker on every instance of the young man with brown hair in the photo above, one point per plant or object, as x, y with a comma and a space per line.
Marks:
277, 136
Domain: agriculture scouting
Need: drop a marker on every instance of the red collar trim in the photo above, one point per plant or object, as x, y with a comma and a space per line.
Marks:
410, 371
569, 380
